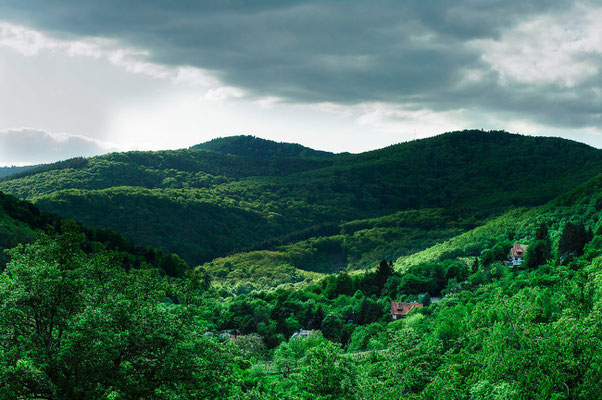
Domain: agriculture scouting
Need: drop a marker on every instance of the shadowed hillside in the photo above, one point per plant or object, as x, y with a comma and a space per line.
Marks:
205, 204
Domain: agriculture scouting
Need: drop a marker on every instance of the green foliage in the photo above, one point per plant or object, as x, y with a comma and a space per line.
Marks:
332, 327
290, 356
243, 193
484, 390
538, 253
573, 239
327, 374
254, 147
6, 171
426, 299
21, 220
75, 326
354, 246
368, 337
84, 314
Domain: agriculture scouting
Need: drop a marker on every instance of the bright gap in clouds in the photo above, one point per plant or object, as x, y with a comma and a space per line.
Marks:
548, 49
92, 88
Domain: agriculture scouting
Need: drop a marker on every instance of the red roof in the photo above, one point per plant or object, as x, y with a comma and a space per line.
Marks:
401, 308
518, 250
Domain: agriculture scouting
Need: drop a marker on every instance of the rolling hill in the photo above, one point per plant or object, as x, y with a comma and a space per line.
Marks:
582, 204
482, 327
254, 147
243, 193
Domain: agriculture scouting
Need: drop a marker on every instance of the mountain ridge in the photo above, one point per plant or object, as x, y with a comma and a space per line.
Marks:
255, 147
231, 202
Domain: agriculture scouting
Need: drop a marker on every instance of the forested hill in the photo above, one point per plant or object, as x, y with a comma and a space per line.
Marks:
203, 204
21, 222
254, 147
75, 324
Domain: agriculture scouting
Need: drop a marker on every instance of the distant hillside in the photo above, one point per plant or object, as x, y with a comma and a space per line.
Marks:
355, 244
411, 238
6, 171
205, 204
254, 147
162, 169
582, 204
21, 222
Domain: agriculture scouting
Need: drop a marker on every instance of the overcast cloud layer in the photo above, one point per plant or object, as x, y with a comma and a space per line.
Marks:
29, 147
472, 63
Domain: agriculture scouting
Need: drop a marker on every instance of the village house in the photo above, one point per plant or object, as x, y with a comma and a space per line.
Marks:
301, 334
517, 254
400, 309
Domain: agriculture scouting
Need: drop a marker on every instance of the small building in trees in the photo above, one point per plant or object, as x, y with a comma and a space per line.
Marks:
400, 309
517, 254
301, 333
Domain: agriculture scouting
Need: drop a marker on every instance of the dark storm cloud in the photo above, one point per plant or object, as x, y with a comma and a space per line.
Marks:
415, 53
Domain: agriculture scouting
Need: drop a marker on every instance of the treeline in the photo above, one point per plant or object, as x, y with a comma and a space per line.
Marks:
72, 163
5, 171
254, 147
281, 196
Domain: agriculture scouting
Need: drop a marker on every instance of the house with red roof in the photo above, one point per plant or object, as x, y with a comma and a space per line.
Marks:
400, 309
517, 254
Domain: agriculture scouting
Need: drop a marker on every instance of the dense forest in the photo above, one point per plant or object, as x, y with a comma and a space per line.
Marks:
300, 255
21, 222
80, 320
242, 194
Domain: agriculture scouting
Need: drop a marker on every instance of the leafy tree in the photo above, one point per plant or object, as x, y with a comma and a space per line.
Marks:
251, 346
499, 252
289, 355
173, 265
292, 325
343, 284
370, 311
316, 322
384, 271
78, 326
412, 284
542, 232
362, 335
328, 374
484, 390
391, 286
474, 267
538, 253
331, 327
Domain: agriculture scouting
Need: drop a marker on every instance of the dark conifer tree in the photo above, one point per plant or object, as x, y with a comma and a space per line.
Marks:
573, 239
384, 272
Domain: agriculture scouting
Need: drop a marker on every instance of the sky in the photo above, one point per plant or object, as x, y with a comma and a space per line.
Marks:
95, 76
